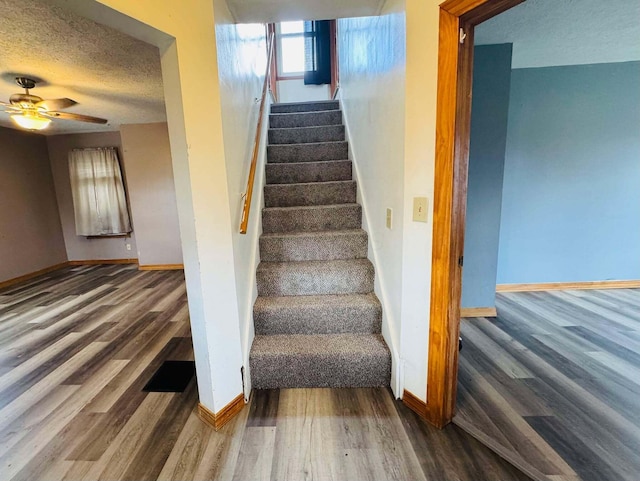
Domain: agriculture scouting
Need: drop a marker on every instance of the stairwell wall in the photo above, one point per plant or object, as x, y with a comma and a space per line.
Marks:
241, 66
372, 73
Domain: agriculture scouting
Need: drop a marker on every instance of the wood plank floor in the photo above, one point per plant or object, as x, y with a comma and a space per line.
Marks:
78, 345
553, 383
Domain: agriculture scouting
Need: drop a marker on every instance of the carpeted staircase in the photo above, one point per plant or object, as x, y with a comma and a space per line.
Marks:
317, 320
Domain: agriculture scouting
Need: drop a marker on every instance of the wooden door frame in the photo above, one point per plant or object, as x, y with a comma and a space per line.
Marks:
453, 125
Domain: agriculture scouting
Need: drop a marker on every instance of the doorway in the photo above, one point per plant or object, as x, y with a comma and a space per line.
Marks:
458, 19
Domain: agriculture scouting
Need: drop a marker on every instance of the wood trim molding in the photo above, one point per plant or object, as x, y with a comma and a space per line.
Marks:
478, 312
561, 286
97, 262
226, 414
62, 265
273, 74
31, 275
443, 328
414, 403
335, 67
161, 267
453, 119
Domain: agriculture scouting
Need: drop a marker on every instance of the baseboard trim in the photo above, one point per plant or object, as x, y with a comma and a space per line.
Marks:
31, 275
560, 286
97, 262
414, 403
161, 267
478, 312
226, 414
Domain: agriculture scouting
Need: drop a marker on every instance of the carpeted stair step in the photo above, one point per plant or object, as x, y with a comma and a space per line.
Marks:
312, 152
317, 193
305, 106
330, 314
310, 278
305, 119
313, 246
307, 135
334, 360
303, 172
311, 218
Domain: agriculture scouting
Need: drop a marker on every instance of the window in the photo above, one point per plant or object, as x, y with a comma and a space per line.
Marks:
99, 200
290, 39
303, 50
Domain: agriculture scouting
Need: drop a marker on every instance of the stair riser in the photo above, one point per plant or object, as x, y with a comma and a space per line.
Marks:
318, 320
298, 173
312, 220
307, 135
307, 152
299, 371
318, 248
304, 107
291, 195
312, 119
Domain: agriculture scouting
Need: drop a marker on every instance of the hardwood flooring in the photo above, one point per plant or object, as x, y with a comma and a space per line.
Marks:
78, 345
553, 383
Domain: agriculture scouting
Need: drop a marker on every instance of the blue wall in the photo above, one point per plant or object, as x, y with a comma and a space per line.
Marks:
571, 198
491, 79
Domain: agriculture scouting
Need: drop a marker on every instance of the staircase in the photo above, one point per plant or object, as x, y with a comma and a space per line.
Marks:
317, 320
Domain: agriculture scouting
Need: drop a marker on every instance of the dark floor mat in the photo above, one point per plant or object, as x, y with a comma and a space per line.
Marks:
172, 376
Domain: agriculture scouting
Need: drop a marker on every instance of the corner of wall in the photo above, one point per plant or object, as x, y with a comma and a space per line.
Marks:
255, 230
397, 380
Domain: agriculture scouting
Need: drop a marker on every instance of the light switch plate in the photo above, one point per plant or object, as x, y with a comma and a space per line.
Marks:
389, 218
420, 209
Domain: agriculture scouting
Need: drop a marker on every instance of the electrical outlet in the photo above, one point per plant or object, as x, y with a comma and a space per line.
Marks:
389, 218
420, 209
128, 246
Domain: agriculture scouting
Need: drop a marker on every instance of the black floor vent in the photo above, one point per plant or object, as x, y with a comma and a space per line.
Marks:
172, 376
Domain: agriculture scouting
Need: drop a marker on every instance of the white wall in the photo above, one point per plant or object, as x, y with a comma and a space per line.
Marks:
403, 255
295, 90
241, 67
419, 161
186, 37
147, 160
372, 77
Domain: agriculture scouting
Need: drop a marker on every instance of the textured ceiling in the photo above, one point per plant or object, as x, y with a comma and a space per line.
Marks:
247, 11
567, 32
109, 74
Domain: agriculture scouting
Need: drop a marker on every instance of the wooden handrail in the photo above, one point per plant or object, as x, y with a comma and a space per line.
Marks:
256, 145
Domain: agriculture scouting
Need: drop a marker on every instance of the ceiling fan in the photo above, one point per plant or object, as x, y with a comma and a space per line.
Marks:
34, 113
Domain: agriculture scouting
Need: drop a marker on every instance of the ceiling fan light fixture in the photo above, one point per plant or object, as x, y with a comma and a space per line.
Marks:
31, 121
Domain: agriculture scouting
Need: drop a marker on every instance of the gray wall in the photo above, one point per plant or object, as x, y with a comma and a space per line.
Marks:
491, 82
81, 248
30, 232
571, 199
147, 160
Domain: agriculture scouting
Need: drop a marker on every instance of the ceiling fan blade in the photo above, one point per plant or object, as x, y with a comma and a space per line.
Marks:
56, 104
79, 117
6, 104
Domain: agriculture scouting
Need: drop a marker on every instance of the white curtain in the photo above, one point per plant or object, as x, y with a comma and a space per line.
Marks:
99, 200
